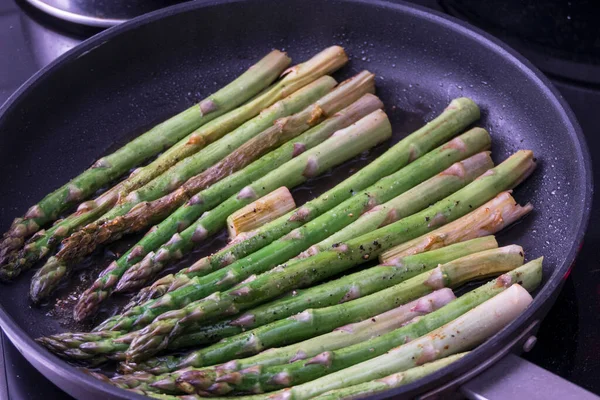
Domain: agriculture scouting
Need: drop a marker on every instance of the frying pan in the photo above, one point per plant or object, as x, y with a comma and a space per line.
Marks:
128, 78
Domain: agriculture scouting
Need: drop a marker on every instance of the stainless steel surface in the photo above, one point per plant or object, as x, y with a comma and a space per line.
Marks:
99, 13
515, 378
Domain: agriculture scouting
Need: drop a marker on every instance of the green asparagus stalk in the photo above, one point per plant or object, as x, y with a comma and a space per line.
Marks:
344, 289
395, 380
113, 344
228, 186
270, 377
254, 135
488, 219
319, 226
340, 337
458, 334
459, 114
453, 178
282, 131
319, 321
283, 249
154, 182
218, 192
343, 214
343, 145
304, 272
145, 146
245, 135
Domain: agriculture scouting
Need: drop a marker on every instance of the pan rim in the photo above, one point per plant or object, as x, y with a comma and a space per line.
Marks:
27, 344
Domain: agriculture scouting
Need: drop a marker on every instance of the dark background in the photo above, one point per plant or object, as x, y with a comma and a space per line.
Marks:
560, 37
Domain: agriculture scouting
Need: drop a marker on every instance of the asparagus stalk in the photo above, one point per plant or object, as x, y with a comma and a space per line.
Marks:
344, 289
459, 114
343, 214
488, 219
267, 378
113, 344
284, 248
318, 321
438, 187
222, 189
340, 337
262, 211
343, 145
227, 186
110, 167
463, 333
248, 133
395, 380
256, 142
112, 226
154, 179
304, 272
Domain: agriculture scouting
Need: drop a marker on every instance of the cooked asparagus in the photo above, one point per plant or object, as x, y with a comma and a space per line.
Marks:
283, 249
395, 380
256, 214
428, 192
245, 136
258, 143
222, 189
113, 344
263, 378
112, 226
460, 334
345, 144
490, 218
152, 179
163, 135
304, 272
343, 214
338, 338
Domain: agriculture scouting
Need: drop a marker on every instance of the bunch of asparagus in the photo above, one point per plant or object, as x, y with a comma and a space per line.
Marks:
269, 313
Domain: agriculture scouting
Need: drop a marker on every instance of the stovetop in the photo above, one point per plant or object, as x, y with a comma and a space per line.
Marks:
568, 343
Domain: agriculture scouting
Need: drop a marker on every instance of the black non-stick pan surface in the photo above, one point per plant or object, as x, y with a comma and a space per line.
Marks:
125, 80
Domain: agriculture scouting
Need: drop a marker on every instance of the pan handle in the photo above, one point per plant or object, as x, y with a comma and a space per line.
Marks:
516, 378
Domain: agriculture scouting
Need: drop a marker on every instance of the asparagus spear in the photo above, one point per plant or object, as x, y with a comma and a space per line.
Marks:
340, 337
345, 144
488, 219
395, 380
47, 278
256, 214
428, 192
112, 225
319, 226
163, 135
383, 190
460, 334
304, 272
282, 249
224, 188
113, 344
184, 166
153, 179
460, 113
227, 186
318, 321
247, 133
344, 289
452, 274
